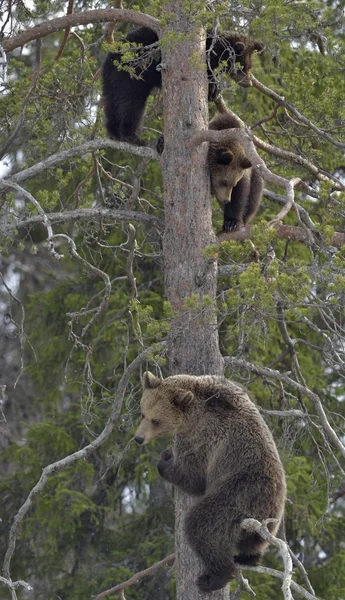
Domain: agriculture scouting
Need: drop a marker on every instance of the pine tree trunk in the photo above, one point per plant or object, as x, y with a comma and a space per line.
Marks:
194, 345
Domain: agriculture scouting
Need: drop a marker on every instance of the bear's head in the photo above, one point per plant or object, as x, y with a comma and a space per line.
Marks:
227, 161
227, 164
164, 407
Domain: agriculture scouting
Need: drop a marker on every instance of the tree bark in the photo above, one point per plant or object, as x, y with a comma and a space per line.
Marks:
194, 345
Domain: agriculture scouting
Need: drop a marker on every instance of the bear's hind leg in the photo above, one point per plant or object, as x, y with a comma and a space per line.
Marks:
209, 539
250, 548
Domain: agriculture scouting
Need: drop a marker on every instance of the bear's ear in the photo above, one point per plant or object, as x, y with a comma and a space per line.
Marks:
224, 157
245, 163
150, 381
259, 46
183, 399
239, 48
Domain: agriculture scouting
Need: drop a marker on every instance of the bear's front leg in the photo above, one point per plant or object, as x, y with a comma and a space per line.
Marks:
165, 464
188, 476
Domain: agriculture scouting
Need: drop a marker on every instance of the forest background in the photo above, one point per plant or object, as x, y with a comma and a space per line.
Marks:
87, 299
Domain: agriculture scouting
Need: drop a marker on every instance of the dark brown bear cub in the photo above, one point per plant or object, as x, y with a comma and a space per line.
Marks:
128, 84
237, 187
226, 456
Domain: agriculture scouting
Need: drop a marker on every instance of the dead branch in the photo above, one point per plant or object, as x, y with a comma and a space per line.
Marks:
80, 18
122, 586
132, 246
97, 272
303, 389
280, 100
253, 525
274, 573
5, 184
91, 214
80, 454
81, 150
70, 9
111, 26
13, 585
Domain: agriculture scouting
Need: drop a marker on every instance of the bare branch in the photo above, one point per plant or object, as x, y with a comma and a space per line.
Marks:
83, 453
13, 585
81, 150
80, 18
122, 586
280, 100
303, 389
253, 525
5, 184
111, 26
87, 214
70, 8
274, 573
132, 246
87, 265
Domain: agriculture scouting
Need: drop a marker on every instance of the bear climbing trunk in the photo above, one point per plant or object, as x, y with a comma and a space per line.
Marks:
189, 277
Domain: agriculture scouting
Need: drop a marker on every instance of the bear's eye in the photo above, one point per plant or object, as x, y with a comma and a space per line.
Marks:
155, 422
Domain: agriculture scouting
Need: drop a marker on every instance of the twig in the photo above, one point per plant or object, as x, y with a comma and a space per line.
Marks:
111, 26
136, 577
70, 8
5, 184
302, 570
303, 389
88, 266
243, 585
280, 100
132, 244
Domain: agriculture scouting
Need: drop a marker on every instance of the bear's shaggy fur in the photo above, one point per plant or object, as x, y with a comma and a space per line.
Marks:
125, 95
237, 187
225, 455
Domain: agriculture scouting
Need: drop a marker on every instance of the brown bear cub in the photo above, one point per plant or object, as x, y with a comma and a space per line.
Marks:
237, 187
225, 454
127, 84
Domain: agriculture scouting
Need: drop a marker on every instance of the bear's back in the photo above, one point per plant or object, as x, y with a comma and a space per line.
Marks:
229, 430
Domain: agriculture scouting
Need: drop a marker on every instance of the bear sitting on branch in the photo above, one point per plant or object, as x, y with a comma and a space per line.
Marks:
127, 84
225, 455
